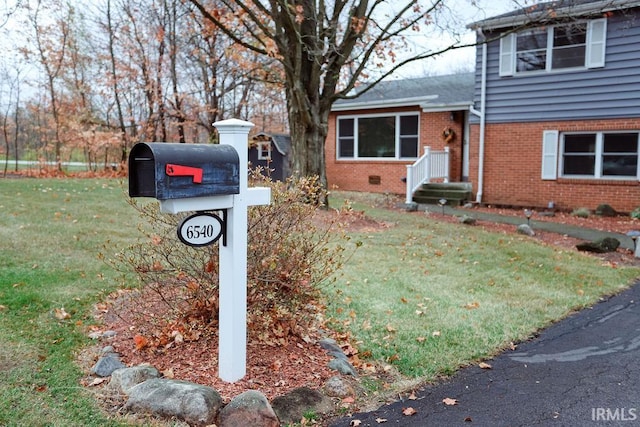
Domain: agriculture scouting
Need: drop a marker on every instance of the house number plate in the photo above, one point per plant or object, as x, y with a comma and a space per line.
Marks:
200, 229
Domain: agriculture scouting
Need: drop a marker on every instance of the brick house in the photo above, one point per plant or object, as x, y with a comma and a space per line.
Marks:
555, 111
373, 137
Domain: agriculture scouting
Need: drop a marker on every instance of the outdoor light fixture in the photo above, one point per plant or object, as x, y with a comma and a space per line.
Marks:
634, 234
527, 214
442, 203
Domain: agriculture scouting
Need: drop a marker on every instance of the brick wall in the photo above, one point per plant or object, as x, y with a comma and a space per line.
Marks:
354, 175
512, 168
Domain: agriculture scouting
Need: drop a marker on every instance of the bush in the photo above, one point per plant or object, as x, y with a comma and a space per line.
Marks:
290, 253
581, 212
635, 214
605, 210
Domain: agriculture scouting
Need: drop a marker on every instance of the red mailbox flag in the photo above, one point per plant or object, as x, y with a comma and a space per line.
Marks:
179, 170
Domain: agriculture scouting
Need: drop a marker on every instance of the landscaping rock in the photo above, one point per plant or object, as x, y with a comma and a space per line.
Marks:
336, 386
605, 210
468, 220
250, 408
607, 244
123, 380
291, 407
106, 364
108, 349
526, 230
343, 366
193, 403
330, 345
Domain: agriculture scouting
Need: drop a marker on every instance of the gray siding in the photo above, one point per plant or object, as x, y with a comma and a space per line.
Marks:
600, 93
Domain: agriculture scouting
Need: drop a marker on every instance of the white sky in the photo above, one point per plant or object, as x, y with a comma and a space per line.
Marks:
461, 59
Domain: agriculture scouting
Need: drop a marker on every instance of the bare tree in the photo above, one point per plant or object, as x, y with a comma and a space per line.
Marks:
325, 49
50, 50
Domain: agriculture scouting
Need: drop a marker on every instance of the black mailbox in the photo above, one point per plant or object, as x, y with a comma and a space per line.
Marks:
176, 171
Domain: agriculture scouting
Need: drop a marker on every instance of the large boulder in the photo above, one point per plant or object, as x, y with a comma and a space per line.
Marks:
250, 408
606, 244
123, 380
292, 406
196, 404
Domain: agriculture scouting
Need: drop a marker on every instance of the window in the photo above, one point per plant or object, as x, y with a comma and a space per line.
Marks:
264, 150
371, 137
559, 47
600, 155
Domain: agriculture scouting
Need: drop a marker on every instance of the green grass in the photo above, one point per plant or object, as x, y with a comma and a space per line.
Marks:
423, 296
428, 297
51, 232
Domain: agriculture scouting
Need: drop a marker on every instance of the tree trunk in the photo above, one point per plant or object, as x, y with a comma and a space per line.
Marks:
308, 124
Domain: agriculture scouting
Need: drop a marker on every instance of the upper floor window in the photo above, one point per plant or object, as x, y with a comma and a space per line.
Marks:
566, 46
388, 136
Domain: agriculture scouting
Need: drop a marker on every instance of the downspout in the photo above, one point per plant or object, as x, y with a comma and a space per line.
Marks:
481, 114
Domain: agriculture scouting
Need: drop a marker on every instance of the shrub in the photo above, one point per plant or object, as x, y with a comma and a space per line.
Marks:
605, 210
291, 252
635, 214
581, 212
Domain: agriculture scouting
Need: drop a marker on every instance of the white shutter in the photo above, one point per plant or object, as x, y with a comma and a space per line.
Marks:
596, 43
550, 154
507, 54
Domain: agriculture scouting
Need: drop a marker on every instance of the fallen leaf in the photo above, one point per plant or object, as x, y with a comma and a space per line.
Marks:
390, 328
409, 411
484, 365
449, 401
61, 314
348, 399
381, 420
355, 423
403, 300
168, 373
436, 333
421, 339
97, 381
3, 307
412, 396
472, 305
140, 341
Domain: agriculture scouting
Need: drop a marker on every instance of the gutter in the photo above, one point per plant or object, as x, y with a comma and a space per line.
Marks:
570, 11
481, 114
372, 104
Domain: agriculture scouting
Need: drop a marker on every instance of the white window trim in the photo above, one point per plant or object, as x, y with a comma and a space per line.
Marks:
598, 157
261, 150
397, 157
594, 51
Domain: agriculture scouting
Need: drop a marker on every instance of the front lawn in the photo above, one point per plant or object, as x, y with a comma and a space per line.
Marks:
420, 297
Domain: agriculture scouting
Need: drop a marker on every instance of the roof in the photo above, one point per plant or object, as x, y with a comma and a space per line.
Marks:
552, 10
281, 141
435, 93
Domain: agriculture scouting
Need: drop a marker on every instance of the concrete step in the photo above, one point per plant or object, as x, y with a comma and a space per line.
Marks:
454, 193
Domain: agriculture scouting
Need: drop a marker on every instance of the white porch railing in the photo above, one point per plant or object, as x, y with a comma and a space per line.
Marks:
432, 165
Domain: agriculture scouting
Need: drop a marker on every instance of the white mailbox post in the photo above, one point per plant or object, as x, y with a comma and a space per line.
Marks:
232, 362
232, 351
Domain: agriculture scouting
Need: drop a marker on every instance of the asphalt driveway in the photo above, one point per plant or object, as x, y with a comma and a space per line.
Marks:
582, 371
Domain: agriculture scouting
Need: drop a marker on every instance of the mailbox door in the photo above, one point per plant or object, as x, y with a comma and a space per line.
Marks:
142, 177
